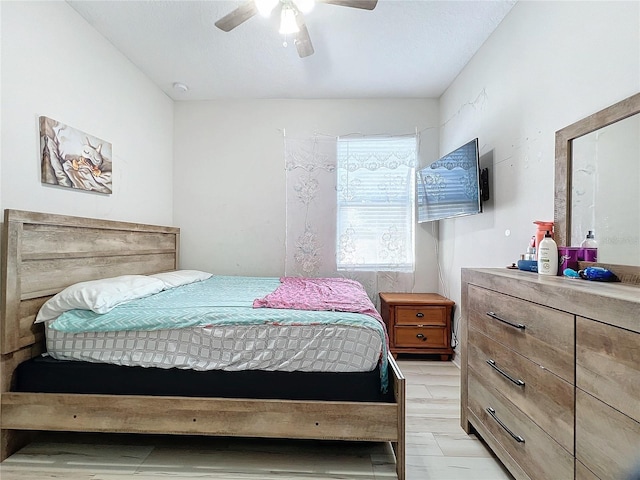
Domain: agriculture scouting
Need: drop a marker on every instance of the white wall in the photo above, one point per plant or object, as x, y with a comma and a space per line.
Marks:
55, 64
547, 65
229, 179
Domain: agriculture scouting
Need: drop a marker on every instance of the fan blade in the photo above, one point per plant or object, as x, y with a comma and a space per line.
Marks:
363, 4
303, 40
238, 16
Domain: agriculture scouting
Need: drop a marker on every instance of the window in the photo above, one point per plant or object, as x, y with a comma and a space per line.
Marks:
376, 207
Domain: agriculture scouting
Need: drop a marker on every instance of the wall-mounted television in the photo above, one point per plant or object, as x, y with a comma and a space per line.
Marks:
452, 186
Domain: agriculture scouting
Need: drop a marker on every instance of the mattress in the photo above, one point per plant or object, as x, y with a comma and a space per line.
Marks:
213, 325
47, 375
307, 348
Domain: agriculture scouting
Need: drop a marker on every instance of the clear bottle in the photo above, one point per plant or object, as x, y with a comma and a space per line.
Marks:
548, 256
590, 241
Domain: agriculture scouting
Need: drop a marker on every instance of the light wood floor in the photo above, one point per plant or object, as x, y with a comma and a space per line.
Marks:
437, 448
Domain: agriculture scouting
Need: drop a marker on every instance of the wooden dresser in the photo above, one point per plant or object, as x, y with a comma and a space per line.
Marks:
418, 323
551, 373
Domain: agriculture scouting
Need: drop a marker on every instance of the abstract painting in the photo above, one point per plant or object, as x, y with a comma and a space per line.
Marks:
74, 159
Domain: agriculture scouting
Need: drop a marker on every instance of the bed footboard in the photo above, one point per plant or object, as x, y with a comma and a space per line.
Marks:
202, 416
21, 413
399, 392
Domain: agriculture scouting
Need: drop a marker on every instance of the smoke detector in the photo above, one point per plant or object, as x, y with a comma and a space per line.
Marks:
180, 87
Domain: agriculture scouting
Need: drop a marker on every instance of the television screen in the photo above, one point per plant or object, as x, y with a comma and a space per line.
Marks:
450, 186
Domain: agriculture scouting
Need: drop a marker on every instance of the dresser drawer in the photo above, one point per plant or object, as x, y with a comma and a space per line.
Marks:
421, 315
537, 454
421, 337
607, 441
543, 335
583, 473
608, 365
544, 397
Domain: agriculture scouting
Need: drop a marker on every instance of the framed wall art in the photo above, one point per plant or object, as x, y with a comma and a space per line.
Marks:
74, 159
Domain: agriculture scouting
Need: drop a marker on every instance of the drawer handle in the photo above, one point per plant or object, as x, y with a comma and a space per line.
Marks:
422, 337
496, 317
493, 365
517, 438
419, 314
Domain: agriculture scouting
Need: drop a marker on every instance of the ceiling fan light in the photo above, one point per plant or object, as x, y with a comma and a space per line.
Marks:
305, 6
288, 22
265, 7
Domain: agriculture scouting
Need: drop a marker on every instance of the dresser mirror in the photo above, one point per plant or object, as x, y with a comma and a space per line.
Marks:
597, 186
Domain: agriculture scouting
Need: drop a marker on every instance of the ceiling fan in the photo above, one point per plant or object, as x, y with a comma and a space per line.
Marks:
291, 17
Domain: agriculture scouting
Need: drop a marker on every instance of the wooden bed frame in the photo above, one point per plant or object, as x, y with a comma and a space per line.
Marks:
44, 253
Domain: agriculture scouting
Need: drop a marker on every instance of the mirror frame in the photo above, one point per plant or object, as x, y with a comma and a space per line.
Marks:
562, 204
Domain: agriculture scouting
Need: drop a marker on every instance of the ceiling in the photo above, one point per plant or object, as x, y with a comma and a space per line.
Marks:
401, 49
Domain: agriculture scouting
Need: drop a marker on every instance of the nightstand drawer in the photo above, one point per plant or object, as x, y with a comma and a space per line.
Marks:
542, 396
421, 315
543, 335
421, 337
524, 441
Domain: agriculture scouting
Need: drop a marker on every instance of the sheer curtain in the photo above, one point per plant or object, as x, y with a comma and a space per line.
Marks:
311, 202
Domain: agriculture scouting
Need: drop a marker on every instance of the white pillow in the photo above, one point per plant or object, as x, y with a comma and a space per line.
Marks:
99, 296
178, 278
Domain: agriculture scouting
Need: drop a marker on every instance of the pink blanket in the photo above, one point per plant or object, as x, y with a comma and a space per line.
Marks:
339, 294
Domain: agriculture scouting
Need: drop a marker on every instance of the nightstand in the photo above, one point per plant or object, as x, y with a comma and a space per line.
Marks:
418, 323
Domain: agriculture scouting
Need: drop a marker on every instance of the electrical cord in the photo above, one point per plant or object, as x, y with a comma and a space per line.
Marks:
455, 321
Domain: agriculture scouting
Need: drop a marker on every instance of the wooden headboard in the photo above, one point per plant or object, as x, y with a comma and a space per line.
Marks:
44, 253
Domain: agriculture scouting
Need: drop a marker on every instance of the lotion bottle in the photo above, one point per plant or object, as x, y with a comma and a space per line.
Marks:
548, 256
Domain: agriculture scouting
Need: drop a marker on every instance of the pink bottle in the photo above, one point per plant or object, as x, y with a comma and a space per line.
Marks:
543, 227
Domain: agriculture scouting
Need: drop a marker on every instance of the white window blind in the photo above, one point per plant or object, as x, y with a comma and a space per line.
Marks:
376, 207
